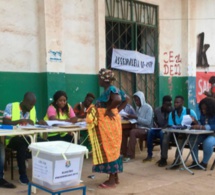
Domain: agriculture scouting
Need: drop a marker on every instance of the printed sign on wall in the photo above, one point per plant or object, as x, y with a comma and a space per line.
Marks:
55, 56
202, 84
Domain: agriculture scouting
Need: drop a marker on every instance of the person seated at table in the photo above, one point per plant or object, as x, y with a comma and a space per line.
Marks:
144, 117
207, 123
175, 118
60, 110
80, 108
3, 182
21, 113
161, 114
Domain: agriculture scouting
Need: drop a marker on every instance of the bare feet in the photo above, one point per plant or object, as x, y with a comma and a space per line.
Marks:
116, 178
103, 185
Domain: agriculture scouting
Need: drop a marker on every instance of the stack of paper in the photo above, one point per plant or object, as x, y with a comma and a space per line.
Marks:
57, 123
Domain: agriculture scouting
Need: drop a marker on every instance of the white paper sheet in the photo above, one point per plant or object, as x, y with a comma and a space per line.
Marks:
123, 113
42, 169
56, 122
187, 120
133, 121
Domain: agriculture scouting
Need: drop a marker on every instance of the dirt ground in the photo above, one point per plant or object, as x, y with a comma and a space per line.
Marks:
138, 178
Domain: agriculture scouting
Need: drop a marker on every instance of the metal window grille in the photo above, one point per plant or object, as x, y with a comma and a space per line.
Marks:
133, 25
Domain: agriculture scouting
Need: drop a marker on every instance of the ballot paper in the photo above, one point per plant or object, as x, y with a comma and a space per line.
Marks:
123, 113
57, 123
186, 121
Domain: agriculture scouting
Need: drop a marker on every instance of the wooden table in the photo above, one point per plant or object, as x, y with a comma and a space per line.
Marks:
126, 125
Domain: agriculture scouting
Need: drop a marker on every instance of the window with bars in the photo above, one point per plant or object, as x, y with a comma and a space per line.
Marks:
133, 25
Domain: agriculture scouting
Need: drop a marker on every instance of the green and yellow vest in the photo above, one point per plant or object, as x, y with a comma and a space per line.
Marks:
15, 115
61, 117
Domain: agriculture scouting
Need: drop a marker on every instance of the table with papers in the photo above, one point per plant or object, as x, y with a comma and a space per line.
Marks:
75, 128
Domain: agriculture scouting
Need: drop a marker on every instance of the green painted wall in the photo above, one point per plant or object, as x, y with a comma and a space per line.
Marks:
14, 85
173, 86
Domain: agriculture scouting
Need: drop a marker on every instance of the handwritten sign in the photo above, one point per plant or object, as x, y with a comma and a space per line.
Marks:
132, 61
42, 169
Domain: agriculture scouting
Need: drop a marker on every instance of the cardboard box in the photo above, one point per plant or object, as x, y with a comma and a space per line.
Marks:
57, 164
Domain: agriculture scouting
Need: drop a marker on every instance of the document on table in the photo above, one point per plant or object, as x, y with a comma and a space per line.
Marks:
156, 128
34, 127
133, 121
81, 124
123, 113
57, 123
186, 121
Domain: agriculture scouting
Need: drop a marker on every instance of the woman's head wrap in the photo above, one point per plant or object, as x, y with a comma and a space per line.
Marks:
106, 75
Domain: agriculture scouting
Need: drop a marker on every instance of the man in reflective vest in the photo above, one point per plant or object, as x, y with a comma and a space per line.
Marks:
22, 113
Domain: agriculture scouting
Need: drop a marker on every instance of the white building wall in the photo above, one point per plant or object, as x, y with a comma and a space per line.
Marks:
19, 36
201, 19
30, 29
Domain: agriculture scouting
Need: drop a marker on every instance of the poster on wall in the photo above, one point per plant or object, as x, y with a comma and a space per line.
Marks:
132, 61
202, 84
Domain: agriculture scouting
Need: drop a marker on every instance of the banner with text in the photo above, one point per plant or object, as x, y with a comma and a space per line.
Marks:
202, 84
132, 61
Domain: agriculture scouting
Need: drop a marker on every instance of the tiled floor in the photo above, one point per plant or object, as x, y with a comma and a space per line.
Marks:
139, 179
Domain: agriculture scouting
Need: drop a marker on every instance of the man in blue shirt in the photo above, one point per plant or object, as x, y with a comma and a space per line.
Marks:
175, 118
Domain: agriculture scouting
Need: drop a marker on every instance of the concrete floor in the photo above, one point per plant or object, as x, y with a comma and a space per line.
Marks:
139, 178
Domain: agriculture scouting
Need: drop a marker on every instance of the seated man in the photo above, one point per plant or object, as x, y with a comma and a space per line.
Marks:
175, 118
160, 121
22, 113
144, 117
3, 182
80, 108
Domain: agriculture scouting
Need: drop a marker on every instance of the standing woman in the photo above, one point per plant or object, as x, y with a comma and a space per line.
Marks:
105, 130
60, 110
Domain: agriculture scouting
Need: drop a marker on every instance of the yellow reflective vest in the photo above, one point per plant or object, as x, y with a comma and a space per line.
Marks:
15, 115
61, 117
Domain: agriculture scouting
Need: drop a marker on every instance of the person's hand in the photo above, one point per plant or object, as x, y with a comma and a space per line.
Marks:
197, 127
131, 116
110, 114
81, 120
26, 121
42, 122
194, 121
